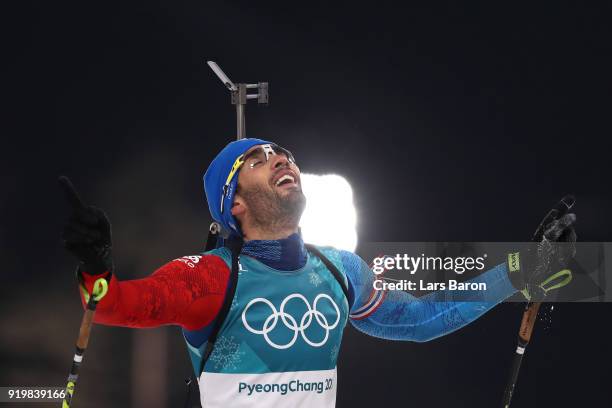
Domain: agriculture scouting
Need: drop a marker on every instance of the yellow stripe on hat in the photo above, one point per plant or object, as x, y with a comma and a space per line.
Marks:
234, 169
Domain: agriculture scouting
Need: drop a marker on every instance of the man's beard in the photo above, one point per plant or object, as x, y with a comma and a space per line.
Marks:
271, 211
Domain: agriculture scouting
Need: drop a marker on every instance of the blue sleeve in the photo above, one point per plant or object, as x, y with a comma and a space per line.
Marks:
402, 316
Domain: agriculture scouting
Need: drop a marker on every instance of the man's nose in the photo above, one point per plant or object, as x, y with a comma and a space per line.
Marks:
279, 160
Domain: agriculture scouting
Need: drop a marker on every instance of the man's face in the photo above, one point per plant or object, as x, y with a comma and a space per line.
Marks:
269, 188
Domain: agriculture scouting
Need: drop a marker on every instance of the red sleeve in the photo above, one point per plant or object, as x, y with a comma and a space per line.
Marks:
187, 292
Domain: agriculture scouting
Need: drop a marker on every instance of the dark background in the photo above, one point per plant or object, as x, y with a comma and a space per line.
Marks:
461, 122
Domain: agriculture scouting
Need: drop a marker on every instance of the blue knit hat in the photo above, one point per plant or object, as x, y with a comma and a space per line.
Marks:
215, 179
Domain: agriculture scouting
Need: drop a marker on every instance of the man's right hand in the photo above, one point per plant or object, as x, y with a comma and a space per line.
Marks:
87, 234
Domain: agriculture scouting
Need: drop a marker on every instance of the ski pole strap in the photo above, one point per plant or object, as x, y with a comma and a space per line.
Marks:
100, 289
554, 281
564, 277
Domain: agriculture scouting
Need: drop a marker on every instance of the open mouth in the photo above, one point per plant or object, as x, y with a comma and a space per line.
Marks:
286, 179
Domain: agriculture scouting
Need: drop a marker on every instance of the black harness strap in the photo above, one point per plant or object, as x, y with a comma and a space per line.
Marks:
213, 237
332, 268
235, 246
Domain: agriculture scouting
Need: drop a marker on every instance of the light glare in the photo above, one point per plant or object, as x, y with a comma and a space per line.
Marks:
330, 217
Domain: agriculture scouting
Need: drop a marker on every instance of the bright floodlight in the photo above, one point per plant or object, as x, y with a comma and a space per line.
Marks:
217, 70
330, 217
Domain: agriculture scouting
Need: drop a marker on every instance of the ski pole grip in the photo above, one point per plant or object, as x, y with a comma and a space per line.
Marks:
85, 329
528, 321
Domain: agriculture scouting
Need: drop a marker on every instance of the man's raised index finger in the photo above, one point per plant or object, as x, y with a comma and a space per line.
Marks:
71, 194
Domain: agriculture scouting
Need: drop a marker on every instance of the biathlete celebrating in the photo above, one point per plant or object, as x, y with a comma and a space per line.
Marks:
263, 315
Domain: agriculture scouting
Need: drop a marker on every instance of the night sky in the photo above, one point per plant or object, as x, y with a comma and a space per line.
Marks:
452, 122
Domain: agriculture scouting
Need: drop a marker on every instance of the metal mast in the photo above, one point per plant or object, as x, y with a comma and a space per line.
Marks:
240, 96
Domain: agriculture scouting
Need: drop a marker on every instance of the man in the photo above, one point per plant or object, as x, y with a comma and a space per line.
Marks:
286, 304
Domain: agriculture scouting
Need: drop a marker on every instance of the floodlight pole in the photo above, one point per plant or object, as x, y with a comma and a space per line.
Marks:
240, 96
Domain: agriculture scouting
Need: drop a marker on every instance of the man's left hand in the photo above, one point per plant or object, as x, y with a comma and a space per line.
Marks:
543, 266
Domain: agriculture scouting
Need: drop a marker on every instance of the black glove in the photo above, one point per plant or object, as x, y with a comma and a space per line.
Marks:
543, 266
87, 234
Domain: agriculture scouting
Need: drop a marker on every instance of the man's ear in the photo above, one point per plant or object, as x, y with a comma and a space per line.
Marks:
239, 207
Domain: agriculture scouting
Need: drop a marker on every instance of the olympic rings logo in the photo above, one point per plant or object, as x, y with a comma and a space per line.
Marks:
290, 322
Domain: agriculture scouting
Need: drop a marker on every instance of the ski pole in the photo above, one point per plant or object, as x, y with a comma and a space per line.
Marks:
100, 288
529, 318
99, 291
530, 314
